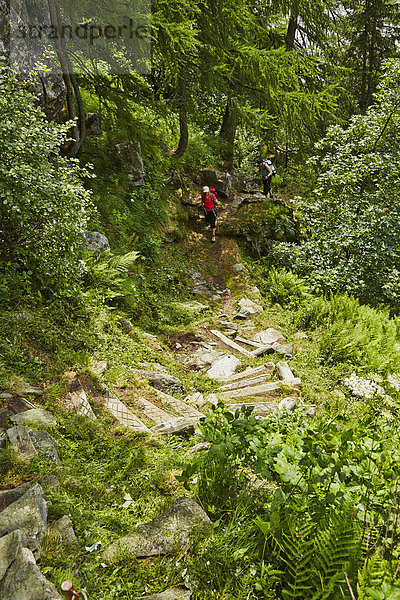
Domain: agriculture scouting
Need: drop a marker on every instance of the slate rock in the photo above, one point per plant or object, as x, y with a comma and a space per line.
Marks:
173, 593
178, 426
165, 383
222, 182
224, 367
199, 284
38, 416
284, 349
170, 531
288, 404
20, 577
64, 528
78, 402
21, 442
45, 444
248, 309
95, 242
29, 514
269, 336
7, 497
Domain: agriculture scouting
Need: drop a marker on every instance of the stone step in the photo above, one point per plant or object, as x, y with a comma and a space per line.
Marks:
181, 408
257, 390
245, 382
261, 350
230, 343
121, 412
286, 374
253, 371
154, 413
242, 340
264, 408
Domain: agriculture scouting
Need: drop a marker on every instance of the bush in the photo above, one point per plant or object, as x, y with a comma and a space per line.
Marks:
43, 206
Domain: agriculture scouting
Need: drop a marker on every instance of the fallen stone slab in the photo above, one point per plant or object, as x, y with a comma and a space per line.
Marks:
29, 390
173, 593
122, 413
266, 349
178, 426
165, 382
154, 413
212, 399
286, 374
196, 398
236, 385
64, 530
29, 514
257, 390
242, 340
21, 442
268, 367
181, 408
7, 497
230, 343
79, 404
268, 336
265, 408
224, 367
20, 577
37, 416
170, 531
45, 445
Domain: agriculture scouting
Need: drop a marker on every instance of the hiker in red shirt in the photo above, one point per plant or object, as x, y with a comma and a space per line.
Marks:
210, 208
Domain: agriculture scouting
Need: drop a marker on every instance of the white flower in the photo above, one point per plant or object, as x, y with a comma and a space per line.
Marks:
361, 387
394, 381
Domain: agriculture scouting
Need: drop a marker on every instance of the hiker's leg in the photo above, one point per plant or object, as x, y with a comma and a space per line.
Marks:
213, 226
266, 187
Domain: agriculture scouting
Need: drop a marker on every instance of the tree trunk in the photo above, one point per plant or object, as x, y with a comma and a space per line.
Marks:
183, 123
291, 31
228, 132
71, 84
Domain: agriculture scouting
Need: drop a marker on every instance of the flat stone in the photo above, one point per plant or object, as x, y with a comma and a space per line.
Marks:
248, 309
78, 403
10, 545
193, 306
173, 593
215, 297
284, 349
165, 383
199, 284
170, 531
230, 343
288, 404
21, 442
154, 413
178, 426
29, 514
224, 367
64, 528
45, 444
286, 374
202, 358
235, 385
240, 268
253, 371
180, 407
300, 335
269, 336
196, 398
251, 392
28, 390
37, 416
212, 399
100, 367
122, 413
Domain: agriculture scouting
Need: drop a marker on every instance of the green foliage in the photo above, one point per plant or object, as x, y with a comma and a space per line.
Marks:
286, 288
350, 221
44, 208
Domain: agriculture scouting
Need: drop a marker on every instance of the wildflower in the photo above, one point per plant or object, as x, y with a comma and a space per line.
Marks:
361, 387
394, 381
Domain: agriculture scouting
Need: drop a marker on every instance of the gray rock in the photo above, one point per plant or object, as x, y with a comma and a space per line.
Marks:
248, 309
284, 349
228, 325
215, 297
170, 531
38, 416
212, 399
29, 390
100, 367
224, 367
21, 442
126, 325
29, 514
95, 242
192, 306
7, 497
78, 402
173, 593
240, 268
51, 481
6, 396
288, 404
222, 182
202, 358
3, 440
20, 577
165, 383
178, 426
64, 529
131, 155
300, 335
269, 336
199, 284
92, 123
45, 444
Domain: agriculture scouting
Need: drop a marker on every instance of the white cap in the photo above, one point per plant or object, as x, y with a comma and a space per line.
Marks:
206, 188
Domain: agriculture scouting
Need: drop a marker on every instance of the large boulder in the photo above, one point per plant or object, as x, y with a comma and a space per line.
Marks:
222, 182
132, 157
36, 416
95, 242
21, 442
45, 444
224, 367
20, 577
243, 183
170, 531
165, 383
29, 514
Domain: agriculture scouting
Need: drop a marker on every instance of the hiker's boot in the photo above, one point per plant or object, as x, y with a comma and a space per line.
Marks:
213, 238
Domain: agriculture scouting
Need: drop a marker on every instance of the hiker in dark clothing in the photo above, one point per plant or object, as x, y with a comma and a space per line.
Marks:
210, 209
266, 172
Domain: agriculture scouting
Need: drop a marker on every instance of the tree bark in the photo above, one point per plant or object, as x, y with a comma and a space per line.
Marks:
291, 31
228, 132
183, 123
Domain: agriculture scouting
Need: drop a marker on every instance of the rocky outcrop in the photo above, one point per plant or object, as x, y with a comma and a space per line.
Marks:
164, 534
132, 157
221, 182
28, 514
95, 242
165, 383
36, 416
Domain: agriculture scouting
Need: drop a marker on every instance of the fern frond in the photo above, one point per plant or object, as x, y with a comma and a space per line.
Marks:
123, 262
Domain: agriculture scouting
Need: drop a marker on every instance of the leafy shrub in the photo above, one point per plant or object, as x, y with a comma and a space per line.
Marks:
286, 288
43, 206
